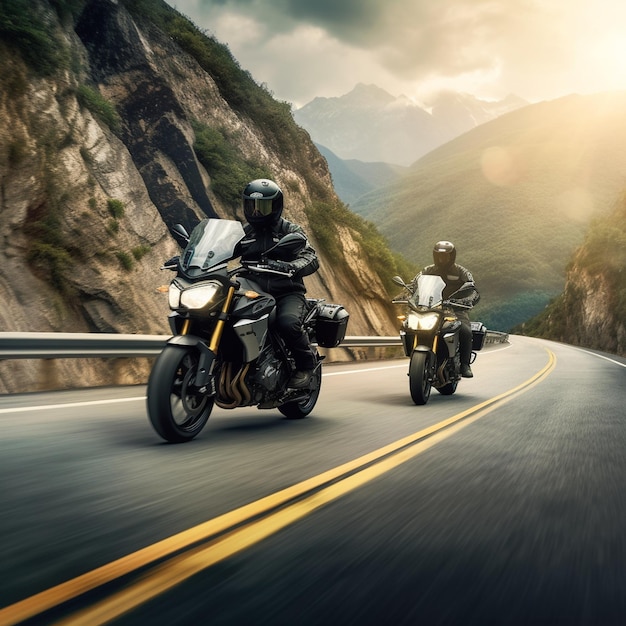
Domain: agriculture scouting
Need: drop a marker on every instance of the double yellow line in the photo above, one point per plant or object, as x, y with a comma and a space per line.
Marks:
189, 552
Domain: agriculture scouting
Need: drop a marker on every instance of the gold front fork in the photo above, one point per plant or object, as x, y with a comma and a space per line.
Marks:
219, 326
435, 339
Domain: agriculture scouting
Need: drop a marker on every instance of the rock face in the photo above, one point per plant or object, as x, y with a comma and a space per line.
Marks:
587, 314
591, 311
86, 205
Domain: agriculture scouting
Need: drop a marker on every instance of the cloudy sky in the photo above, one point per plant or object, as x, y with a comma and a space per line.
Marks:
535, 49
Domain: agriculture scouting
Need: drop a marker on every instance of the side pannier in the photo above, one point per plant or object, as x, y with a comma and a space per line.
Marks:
331, 325
479, 332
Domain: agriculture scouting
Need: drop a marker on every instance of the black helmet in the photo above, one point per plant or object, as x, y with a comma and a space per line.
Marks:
262, 202
444, 254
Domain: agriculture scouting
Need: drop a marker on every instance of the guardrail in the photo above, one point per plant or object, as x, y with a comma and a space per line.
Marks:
28, 345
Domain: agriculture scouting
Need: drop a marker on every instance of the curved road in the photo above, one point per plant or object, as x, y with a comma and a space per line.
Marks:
502, 504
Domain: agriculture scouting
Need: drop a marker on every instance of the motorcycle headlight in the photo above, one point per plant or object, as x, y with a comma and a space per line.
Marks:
422, 321
173, 296
199, 297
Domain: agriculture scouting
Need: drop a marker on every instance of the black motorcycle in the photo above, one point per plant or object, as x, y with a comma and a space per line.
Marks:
430, 336
225, 351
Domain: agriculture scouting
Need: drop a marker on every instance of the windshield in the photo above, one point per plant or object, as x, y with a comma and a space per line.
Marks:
429, 291
212, 242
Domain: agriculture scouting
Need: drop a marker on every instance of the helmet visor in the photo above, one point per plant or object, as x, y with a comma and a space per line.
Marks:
442, 257
258, 207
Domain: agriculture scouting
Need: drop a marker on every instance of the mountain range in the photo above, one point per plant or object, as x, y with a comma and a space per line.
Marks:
369, 124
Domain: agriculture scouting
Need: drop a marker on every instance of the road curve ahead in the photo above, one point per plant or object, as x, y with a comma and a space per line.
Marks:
501, 504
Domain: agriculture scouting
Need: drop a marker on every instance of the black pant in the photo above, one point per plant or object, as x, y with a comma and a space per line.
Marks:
289, 316
465, 337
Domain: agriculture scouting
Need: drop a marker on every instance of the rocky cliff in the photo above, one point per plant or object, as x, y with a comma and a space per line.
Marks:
97, 161
591, 311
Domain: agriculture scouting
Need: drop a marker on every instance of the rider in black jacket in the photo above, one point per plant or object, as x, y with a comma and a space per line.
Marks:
263, 207
454, 275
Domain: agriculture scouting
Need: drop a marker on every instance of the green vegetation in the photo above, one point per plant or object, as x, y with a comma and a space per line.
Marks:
51, 259
140, 251
68, 8
48, 253
228, 170
116, 208
125, 259
23, 26
325, 219
103, 110
113, 227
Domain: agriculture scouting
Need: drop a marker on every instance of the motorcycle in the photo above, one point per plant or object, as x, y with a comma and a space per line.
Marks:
224, 350
430, 336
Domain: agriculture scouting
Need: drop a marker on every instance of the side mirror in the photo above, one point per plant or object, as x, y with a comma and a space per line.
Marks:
398, 281
181, 235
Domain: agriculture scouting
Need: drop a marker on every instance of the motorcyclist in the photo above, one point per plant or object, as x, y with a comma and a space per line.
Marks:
454, 275
263, 207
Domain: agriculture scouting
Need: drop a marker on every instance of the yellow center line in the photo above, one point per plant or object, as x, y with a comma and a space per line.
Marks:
183, 566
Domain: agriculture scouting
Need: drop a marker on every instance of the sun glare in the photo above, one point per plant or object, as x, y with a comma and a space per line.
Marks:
608, 60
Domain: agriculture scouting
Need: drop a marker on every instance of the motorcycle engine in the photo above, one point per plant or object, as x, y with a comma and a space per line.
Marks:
269, 372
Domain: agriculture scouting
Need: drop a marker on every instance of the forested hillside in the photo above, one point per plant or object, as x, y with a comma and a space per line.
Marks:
515, 194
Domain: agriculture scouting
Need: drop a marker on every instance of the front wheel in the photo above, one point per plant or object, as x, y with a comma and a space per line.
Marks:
175, 408
419, 377
301, 408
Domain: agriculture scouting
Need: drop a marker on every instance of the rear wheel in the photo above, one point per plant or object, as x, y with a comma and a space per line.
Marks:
301, 408
419, 377
175, 408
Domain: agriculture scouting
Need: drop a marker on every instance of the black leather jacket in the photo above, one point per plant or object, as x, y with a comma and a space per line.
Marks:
256, 243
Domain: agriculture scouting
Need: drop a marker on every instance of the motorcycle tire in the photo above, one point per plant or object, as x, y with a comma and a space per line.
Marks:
301, 408
419, 377
177, 412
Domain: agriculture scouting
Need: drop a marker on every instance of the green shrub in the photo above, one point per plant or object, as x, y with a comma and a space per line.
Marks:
25, 30
113, 227
116, 208
229, 171
102, 109
126, 260
140, 251
52, 260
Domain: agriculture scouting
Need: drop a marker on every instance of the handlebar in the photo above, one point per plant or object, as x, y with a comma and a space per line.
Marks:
261, 269
457, 304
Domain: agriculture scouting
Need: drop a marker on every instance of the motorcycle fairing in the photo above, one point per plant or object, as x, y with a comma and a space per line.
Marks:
251, 318
252, 334
212, 242
429, 291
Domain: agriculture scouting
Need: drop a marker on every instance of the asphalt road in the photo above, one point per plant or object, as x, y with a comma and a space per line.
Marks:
501, 504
